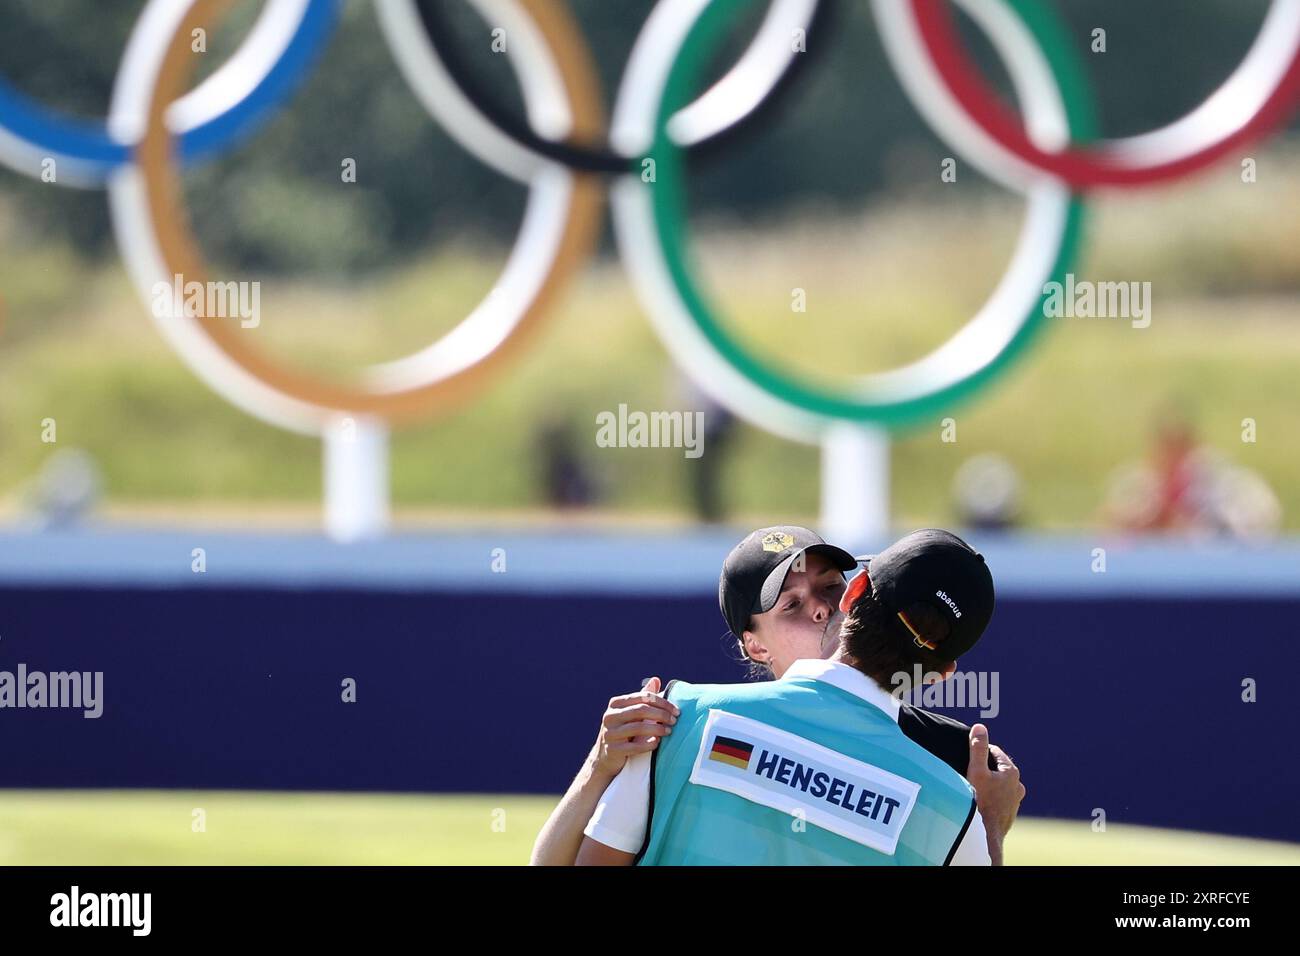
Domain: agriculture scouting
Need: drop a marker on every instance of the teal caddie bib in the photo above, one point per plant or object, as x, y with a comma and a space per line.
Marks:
797, 772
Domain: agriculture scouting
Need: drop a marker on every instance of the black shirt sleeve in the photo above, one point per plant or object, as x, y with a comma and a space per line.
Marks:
947, 739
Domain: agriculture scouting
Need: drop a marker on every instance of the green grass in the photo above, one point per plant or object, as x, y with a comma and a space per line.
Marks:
884, 285
156, 827
68, 828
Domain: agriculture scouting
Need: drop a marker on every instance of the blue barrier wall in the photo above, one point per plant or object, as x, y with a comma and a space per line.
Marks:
1127, 702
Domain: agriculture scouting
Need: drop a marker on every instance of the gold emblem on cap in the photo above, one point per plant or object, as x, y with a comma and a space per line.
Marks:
777, 541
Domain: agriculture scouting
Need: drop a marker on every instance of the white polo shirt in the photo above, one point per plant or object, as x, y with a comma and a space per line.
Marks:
623, 813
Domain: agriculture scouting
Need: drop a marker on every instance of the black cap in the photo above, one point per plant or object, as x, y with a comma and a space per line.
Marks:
936, 568
755, 570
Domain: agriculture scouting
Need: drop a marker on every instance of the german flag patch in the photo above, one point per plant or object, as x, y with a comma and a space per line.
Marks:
731, 751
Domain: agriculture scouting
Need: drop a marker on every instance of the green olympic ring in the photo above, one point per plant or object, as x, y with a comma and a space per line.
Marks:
670, 207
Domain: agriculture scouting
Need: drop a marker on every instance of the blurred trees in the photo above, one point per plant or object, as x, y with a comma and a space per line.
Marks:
846, 133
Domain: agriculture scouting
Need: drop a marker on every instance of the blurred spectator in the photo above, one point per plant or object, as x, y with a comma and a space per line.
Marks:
566, 480
64, 491
720, 427
1185, 486
987, 493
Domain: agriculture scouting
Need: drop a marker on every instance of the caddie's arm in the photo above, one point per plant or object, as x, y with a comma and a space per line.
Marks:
632, 724
997, 792
592, 853
617, 830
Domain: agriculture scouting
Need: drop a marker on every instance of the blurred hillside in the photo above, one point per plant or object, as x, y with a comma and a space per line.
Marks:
884, 284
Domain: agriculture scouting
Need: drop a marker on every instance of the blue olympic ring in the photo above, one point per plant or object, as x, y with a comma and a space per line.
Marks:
89, 146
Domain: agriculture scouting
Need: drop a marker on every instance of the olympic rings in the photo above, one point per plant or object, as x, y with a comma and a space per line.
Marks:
559, 228
649, 223
561, 147
538, 55
226, 107
1258, 98
753, 85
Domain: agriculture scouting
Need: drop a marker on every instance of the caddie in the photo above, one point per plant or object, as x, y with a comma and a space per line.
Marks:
813, 768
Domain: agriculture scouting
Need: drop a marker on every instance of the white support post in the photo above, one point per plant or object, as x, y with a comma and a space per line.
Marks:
855, 486
356, 478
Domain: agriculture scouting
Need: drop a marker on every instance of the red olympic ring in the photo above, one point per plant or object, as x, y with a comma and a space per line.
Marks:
1102, 165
